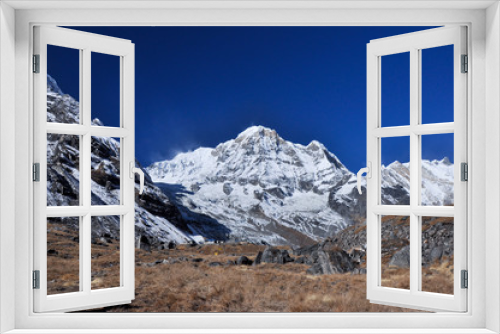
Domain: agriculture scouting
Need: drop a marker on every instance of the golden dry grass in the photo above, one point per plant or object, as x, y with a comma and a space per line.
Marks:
189, 286
63, 259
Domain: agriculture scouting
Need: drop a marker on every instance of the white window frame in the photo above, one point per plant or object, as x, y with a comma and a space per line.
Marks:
482, 19
85, 44
414, 44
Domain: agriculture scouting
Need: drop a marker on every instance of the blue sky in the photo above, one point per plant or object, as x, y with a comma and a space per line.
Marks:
199, 86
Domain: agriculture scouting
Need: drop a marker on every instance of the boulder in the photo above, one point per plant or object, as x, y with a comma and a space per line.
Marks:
258, 259
243, 260
331, 262
274, 255
52, 252
215, 264
300, 259
436, 253
401, 259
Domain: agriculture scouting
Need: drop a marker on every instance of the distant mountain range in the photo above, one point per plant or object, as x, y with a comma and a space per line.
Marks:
257, 187
267, 189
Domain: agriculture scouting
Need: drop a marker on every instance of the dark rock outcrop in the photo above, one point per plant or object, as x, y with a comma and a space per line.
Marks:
243, 260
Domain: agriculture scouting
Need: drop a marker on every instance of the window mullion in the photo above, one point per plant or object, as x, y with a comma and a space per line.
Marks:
414, 168
85, 177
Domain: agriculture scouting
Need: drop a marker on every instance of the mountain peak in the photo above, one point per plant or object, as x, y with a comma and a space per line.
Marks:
52, 85
315, 146
257, 130
446, 161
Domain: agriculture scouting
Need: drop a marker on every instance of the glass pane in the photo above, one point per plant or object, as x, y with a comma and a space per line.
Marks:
437, 85
63, 254
437, 254
395, 171
395, 89
105, 90
63, 85
395, 252
63, 170
437, 170
105, 252
105, 170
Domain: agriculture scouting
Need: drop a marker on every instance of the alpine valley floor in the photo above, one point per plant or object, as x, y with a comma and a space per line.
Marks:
217, 278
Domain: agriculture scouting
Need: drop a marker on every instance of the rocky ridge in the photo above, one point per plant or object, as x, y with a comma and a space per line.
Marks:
158, 222
268, 190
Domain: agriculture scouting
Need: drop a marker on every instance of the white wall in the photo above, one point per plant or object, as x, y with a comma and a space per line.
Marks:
7, 158
492, 257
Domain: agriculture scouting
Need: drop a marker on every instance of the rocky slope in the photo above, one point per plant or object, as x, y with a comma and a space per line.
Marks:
158, 222
346, 251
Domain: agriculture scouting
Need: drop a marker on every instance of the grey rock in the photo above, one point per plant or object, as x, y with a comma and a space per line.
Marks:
274, 255
401, 258
300, 259
215, 264
226, 188
243, 260
258, 259
436, 253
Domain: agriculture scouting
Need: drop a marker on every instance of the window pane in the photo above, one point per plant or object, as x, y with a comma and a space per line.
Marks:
395, 252
105, 252
437, 170
395, 171
437, 85
105, 90
395, 90
437, 254
105, 171
63, 254
63, 170
63, 85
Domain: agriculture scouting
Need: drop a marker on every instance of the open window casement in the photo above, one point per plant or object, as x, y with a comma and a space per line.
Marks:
415, 211
76, 134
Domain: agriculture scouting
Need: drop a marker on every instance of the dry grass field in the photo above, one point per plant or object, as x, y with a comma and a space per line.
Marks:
188, 283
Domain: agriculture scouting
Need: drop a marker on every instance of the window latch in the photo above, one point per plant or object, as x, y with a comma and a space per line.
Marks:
368, 171
133, 170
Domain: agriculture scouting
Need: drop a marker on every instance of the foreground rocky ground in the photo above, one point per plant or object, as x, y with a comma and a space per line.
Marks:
241, 277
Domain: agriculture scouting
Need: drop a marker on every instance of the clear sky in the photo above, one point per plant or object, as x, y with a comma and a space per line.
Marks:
200, 86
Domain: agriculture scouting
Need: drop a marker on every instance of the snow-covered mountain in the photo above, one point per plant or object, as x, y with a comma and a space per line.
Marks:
437, 183
267, 189
262, 187
257, 187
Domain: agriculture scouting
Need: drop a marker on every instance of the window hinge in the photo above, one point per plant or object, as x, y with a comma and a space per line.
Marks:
465, 279
36, 172
36, 279
465, 64
36, 63
464, 171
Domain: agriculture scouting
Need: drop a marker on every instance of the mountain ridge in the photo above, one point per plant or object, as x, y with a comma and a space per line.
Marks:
257, 187
258, 182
